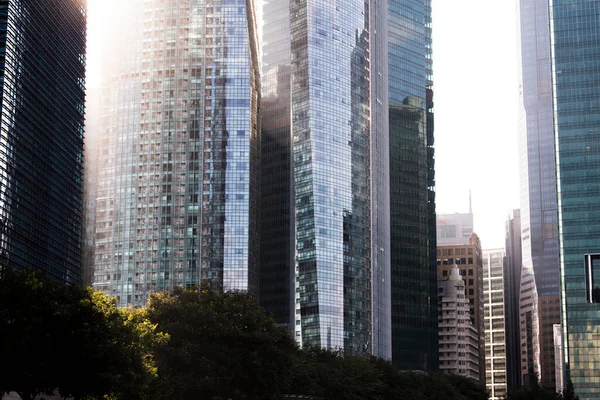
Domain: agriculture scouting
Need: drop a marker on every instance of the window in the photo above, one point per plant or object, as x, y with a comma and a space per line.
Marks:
592, 277
445, 272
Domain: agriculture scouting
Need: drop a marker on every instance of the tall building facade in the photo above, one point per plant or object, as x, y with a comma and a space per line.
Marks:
495, 323
454, 228
512, 289
458, 337
575, 44
339, 99
412, 183
179, 150
468, 259
317, 135
42, 95
539, 223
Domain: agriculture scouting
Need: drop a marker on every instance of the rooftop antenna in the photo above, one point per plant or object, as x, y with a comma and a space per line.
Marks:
470, 203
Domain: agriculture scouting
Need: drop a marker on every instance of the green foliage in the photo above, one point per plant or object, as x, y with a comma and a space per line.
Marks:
333, 375
221, 346
63, 338
190, 344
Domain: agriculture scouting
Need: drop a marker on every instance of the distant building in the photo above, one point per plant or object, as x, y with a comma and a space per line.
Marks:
495, 337
539, 225
558, 356
458, 337
512, 281
42, 96
467, 258
453, 229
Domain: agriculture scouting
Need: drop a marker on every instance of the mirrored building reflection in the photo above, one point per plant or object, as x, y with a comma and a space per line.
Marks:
179, 156
319, 273
42, 95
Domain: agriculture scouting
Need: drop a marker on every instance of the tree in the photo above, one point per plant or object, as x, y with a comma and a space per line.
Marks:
61, 338
222, 345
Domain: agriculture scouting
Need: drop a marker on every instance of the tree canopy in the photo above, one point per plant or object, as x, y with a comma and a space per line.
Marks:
73, 341
192, 343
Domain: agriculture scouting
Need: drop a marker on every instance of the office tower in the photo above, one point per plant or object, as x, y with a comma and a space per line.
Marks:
323, 194
575, 44
468, 259
512, 284
453, 229
458, 337
178, 169
538, 193
412, 196
42, 65
495, 326
337, 102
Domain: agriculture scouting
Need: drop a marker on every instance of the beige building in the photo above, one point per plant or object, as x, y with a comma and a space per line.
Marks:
467, 258
495, 328
458, 337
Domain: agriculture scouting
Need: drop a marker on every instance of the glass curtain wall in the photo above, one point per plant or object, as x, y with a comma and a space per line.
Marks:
179, 150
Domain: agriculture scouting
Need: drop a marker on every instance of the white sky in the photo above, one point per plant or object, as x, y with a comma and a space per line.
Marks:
476, 96
476, 92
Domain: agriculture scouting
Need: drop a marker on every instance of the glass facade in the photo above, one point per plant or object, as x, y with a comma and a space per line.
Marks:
331, 171
42, 73
412, 196
325, 176
538, 195
512, 288
575, 39
277, 251
179, 156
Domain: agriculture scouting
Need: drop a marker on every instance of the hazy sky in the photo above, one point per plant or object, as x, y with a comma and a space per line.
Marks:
476, 93
476, 97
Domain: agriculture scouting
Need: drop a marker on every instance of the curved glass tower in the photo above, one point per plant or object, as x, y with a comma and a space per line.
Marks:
177, 198
539, 226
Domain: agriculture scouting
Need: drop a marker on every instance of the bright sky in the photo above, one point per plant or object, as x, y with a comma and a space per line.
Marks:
476, 97
476, 92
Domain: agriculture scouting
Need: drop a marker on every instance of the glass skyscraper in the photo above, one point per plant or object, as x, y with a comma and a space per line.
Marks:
325, 199
345, 88
412, 195
42, 94
575, 44
539, 225
179, 156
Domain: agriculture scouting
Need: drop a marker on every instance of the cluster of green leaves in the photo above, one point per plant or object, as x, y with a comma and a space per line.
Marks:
75, 342
333, 375
537, 392
189, 344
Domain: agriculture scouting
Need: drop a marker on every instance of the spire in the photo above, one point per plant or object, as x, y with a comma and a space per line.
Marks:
470, 203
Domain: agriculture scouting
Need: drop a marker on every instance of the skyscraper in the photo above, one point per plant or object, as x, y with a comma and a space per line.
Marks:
458, 337
575, 44
412, 195
338, 99
42, 69
316, 177
468, 259
495, 323
179, 155
538, 192
512, 290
